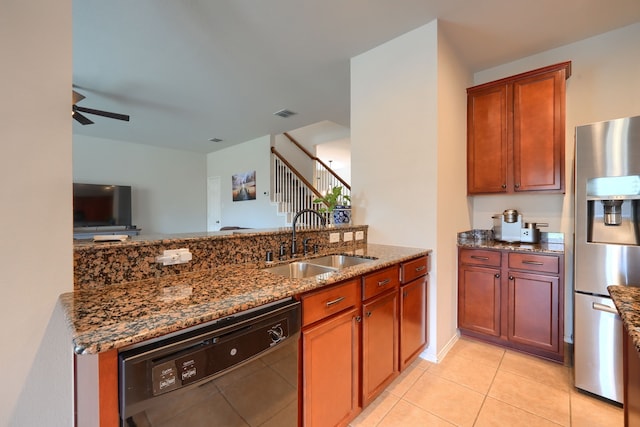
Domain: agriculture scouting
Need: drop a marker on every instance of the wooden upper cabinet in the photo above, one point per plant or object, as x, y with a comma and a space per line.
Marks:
487, 128
515, 133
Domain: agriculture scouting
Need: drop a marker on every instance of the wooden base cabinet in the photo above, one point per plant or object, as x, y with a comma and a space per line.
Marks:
631, 381
331, 364
413, 310
379, 331
515, 299
331, 355
379, 345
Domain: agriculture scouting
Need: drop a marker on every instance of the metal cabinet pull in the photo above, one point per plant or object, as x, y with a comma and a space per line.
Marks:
532, 262
510, 277
517, 185
504, 186
405, 294
422, 267
604, 307
481, 258
368, 313
335, 301
497, 275
384, 282
358, 319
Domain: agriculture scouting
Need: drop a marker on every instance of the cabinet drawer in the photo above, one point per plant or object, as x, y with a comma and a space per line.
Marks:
480, 257
415, 268
324, 303
535, 262
380, 281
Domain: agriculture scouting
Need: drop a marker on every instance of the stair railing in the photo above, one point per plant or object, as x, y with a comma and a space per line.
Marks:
292, 192
324, 177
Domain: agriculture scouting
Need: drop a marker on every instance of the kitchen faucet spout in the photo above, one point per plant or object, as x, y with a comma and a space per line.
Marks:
293, 227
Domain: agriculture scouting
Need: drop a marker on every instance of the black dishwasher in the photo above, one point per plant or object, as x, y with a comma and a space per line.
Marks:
237, 371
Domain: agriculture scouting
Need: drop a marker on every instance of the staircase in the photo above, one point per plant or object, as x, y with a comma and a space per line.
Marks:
292, 192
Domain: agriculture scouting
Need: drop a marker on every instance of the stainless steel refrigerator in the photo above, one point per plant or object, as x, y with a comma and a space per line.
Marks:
607, 251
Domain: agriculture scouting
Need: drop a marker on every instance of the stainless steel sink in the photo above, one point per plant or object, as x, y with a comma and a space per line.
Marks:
339, 261
300, 270
317, 266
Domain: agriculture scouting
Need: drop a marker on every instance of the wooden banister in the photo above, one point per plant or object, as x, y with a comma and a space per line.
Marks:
314, 158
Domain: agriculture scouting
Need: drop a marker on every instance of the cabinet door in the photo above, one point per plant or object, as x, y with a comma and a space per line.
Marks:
379, 344
534, 311
488, 118
413, 320
538, 132
479, 299
330, 369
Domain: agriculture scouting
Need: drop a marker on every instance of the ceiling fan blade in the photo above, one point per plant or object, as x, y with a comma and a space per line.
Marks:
80, 118
77, 97
102, 113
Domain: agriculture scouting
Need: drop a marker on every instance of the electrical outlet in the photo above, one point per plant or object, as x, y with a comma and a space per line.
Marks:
334, 237
174, 256
347, 236
359, 235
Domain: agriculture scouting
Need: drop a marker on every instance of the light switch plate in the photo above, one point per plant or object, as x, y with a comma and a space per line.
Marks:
359, 235
334, 237
347, 236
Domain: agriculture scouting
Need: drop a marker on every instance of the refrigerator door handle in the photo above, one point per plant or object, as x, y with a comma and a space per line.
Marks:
604, 307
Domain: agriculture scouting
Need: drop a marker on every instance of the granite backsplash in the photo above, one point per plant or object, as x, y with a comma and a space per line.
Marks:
98, 264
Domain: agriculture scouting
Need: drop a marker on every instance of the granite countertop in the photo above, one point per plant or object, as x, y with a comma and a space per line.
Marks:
483, 239
123, 314
627, 301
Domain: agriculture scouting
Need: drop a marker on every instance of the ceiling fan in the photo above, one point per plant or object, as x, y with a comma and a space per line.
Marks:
76, 110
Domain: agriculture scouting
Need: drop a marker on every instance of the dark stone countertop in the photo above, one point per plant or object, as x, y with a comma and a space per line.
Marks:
552, 243
119, 315
627, 301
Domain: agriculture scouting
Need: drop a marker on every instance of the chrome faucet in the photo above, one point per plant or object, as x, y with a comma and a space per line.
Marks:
295, 220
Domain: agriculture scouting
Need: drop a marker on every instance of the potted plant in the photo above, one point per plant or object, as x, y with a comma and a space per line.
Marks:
337, 203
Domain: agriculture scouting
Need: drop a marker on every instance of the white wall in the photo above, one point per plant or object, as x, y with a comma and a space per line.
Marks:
252, 155
453, 206
169, 187
407, 157
35, 190
604, 85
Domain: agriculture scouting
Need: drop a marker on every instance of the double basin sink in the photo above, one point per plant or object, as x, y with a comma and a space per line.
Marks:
316, 266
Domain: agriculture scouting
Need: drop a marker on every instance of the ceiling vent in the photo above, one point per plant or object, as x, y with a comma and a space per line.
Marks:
284, 113
215, 140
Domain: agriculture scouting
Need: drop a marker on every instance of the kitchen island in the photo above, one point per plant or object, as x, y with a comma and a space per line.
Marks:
124, 297
627, 301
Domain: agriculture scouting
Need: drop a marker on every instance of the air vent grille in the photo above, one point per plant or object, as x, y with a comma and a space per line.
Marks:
285, 113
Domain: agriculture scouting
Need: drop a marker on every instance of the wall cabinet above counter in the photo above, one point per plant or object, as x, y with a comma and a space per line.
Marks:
516, 133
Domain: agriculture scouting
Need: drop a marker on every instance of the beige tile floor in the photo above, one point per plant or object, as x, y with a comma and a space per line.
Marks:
482, 385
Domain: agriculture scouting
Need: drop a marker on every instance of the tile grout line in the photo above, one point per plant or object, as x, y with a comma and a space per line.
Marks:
486, 394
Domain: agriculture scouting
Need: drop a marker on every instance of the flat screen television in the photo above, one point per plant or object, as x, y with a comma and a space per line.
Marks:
96, 205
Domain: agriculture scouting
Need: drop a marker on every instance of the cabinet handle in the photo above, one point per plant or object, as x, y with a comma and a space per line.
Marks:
384, 282
510, 277
532, 262
422, 267
405, 294
497, 275
358, 319
481, 258
368, 313
335, 301
517, 185
504, 185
